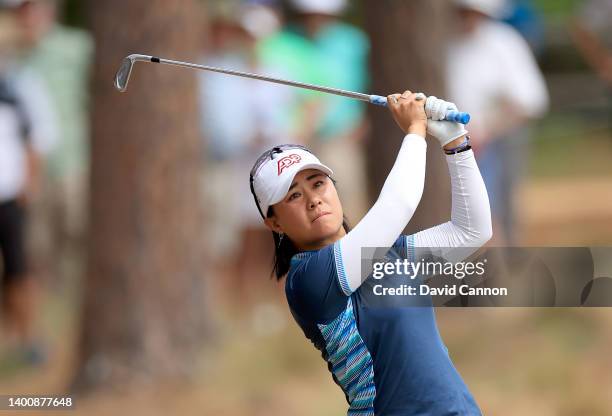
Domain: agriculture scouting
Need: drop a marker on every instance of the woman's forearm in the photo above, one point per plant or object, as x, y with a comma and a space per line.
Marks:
470, 225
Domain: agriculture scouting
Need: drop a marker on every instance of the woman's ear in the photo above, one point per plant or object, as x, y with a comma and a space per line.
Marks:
273, 225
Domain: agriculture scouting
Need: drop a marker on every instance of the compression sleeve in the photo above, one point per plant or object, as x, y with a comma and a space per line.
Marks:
470, 225
384, 222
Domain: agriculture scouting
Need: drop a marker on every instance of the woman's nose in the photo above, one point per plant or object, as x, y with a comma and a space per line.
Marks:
314, 201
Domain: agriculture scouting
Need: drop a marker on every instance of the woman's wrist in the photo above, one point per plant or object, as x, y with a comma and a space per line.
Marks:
455, 143
461, 147
418, 128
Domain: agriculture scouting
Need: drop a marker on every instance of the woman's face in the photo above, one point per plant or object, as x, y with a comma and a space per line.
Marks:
311, 213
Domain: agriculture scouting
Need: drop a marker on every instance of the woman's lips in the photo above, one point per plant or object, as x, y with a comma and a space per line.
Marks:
322, 214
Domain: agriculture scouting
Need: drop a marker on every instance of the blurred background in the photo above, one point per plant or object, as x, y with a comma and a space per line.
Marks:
136, 271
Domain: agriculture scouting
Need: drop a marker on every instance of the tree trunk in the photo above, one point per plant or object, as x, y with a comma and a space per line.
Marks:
408, 40
143, 309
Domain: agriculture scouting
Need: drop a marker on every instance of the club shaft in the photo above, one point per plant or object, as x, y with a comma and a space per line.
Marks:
123, 75
336, 91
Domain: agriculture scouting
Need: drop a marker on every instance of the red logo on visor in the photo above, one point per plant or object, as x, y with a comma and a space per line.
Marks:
287, 161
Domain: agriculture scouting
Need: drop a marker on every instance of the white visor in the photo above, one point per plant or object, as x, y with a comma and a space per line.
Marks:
329, 7
495, 9
273, 178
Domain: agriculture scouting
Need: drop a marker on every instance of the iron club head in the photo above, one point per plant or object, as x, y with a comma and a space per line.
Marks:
122, 77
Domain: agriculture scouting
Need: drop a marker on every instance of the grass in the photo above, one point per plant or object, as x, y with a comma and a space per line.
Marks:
563, 145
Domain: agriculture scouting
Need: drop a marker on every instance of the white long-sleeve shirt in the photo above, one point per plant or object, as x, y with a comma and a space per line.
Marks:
26, 101
470, 222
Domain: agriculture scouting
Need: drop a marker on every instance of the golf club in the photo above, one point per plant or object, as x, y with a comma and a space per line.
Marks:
125, 70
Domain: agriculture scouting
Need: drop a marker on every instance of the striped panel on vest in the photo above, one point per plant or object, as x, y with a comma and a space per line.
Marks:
351, 361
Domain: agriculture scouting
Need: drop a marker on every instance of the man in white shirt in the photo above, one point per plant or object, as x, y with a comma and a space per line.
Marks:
27, 132
494, 77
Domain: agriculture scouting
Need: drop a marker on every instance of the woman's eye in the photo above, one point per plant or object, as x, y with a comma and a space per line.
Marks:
293, 196
318, 183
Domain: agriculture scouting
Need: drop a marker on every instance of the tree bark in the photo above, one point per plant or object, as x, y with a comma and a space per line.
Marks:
408, 40
143, 309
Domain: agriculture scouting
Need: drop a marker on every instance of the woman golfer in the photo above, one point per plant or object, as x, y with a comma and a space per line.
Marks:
387, 360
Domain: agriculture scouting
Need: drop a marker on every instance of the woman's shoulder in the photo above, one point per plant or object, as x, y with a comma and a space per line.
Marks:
312, 287
308, 262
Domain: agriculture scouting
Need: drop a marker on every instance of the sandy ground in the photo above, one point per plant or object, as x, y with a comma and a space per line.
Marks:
574, 211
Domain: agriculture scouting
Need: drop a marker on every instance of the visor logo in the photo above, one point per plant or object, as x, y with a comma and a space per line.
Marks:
287, 161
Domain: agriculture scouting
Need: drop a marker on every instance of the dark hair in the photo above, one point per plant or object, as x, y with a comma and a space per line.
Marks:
284, 249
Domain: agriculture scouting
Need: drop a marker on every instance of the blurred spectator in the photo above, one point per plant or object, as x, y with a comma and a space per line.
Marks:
522, 15
317, 47
592, 32
27, 133
240, 119
61, 56
492, 74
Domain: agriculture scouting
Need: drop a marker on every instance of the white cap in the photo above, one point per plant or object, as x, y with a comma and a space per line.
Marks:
331, 7
492, 8
259, 20
273, 178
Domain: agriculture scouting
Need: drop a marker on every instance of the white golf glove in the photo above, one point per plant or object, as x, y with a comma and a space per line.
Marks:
444, 131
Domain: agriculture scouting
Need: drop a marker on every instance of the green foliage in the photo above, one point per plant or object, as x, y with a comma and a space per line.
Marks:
557, 8
567, 144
